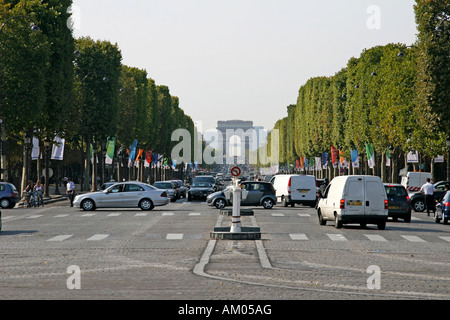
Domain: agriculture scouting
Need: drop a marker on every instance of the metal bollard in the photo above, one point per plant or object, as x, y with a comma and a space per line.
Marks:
236, 219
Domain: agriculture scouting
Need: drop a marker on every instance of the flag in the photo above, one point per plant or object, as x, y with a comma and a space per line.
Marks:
318, 162
413, 157
342, 160
325, 160
370, 155
110, 149
35, 151
355, 160
58, 149
388, 158
132, 153
334, 155
148, 158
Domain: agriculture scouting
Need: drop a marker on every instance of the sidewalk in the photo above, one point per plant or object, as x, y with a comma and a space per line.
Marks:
54, 197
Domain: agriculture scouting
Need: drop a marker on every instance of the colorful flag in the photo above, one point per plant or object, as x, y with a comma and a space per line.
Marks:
58, 149
110, 149
370, 155
355, 159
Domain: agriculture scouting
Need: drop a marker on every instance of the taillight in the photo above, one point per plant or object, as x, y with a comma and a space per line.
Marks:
447, 204
408, 199
386, 205
289, 185
12, 194
164, 194
342, 204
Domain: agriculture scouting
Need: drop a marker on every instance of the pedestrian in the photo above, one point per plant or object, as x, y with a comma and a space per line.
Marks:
39, 193
428, 191
30, 193
70, 190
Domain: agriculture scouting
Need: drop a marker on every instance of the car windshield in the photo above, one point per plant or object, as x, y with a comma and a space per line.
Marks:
204, 179
201, 185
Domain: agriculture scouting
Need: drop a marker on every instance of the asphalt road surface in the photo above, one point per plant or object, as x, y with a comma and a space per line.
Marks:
58, 252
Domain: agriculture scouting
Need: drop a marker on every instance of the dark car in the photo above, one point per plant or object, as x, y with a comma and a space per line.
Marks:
399, 204
182, 188
257, 193
418, 199
9, 195
200, 190
443, 209
207, 179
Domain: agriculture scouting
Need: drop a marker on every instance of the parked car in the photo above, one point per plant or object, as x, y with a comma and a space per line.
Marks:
257, 193
200, 190
169, 187
399, 203
182, 188
354, 199
443, 209
123, 195
418, 199
9, 196
292, 189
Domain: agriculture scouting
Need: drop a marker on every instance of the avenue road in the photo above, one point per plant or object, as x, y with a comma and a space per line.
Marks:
58, 252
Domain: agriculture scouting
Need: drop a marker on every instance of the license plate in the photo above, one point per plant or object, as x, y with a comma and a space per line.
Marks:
355, 203
393, 207
303, 191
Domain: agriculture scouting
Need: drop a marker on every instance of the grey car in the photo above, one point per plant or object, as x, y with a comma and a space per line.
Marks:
123, 195
9, 195
254, 193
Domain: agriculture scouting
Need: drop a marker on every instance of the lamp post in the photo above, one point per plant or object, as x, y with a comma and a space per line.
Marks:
3, 145
47, 144
448, 157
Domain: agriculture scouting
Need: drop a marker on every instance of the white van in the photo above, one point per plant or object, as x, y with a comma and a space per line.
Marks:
413, 181
354, 199
292, 189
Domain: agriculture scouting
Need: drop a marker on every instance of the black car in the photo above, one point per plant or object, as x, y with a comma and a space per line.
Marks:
399, 204
418, 199
200, 190
443, 209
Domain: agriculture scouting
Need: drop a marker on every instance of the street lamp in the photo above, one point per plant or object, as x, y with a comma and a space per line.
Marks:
47, 144
448, 157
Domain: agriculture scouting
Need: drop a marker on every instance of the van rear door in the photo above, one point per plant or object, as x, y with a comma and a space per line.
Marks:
303, 188
354, 196
374, 197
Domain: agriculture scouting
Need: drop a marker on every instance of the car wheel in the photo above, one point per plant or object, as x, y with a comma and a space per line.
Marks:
419, 206
268, 204
219, 203
146, 204
337, 222
88, 205
407, 218
381, 225
5, 203
284, 202
322, 221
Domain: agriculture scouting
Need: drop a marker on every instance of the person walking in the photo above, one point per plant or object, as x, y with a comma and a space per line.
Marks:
39, 193
70, 190
428, 191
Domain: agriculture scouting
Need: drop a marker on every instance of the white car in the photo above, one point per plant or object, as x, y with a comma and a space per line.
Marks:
123, 195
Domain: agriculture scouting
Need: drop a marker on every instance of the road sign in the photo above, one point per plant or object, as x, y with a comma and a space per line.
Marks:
236, 172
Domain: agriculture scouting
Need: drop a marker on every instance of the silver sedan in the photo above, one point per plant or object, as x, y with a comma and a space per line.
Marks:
123, 195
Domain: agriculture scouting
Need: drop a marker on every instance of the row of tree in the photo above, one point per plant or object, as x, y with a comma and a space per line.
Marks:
78, 89
394, 97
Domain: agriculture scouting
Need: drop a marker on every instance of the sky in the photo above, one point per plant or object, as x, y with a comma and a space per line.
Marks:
242, 59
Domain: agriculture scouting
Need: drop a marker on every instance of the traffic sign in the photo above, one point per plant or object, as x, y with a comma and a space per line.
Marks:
236, 172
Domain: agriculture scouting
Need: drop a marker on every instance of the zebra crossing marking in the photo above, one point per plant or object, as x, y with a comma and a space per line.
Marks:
298, 236
175, 236
60, 238
336, 237
375, 237
413, 238
98, 237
